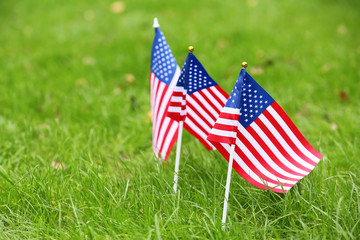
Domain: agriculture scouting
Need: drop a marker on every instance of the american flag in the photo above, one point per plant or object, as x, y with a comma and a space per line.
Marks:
270, 152
163, 76
197, 100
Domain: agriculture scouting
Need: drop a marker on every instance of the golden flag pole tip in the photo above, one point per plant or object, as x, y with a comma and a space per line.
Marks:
244, 64
191, 48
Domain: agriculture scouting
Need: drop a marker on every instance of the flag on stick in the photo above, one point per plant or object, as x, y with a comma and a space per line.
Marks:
196, 103
270, 152
163, 76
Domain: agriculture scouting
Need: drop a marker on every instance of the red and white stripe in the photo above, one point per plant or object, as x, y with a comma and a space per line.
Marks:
198, 110
164, 128
270, 153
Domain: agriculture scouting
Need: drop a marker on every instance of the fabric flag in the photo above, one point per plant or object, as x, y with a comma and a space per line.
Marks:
197, 100
163, 76
270, 152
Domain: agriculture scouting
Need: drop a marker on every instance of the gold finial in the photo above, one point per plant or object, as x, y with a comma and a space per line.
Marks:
191, 48
244, 64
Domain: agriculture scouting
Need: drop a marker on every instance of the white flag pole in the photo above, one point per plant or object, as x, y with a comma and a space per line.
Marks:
178, 151
227, 188
228, 179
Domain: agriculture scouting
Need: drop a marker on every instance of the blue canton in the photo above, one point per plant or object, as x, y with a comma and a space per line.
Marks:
254, 100
163, 63
193, 76
249, 97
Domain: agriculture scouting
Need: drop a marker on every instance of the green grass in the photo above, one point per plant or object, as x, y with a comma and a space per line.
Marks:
64, 98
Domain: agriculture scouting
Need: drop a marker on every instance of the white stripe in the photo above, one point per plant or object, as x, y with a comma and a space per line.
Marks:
174, 109
283, 143
178, 99
292, 135
227, 122
219, 94
231, 110
197, 130
222, 133
213, 100
258, 165
273, 149
180, 89
247, 170
203, 101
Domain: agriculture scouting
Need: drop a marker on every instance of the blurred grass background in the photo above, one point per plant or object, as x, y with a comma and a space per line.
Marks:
75, 134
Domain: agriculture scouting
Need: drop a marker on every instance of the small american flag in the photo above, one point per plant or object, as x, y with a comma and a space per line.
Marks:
163, 76
270, 152
197, 100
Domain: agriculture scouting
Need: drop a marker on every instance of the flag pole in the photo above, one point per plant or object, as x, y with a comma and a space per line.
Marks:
178, 146
177, 160
228, 178
227, 188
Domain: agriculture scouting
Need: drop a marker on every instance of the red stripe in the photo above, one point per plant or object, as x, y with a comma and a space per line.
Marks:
176, 104
279, 147
268, 151
202, 106
241, 172
222, 92
294, 129
174, 116
229, 116
178, 94
213, 138
260, 159
291, 144
196, 135
253, 168
224, 127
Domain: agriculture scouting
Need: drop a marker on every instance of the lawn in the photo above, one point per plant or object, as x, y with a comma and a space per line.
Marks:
75, 135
